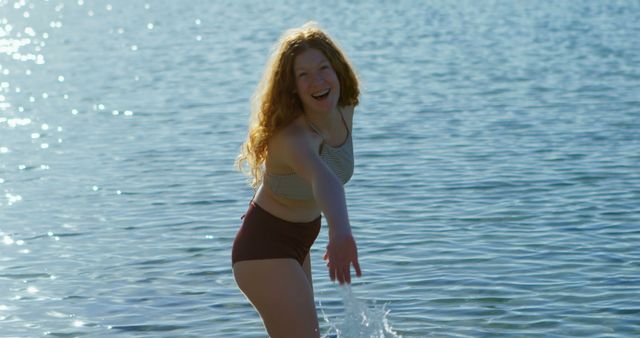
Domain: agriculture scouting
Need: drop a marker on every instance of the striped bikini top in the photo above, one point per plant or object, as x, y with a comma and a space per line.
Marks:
339, 159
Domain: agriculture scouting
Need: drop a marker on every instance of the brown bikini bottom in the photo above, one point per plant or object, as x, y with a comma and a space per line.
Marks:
264, 236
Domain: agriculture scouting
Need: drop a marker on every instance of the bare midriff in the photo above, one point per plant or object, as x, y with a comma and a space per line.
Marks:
297, 211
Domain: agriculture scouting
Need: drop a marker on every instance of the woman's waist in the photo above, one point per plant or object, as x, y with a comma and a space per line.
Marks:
296, 211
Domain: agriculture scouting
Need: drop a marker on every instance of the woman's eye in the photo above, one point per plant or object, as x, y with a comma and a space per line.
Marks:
302, 74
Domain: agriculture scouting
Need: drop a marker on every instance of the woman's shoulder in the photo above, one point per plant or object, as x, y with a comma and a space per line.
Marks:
296, 131
295, 138
348, 112
295, 134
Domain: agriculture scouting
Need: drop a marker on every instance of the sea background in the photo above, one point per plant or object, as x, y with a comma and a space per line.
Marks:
496, 191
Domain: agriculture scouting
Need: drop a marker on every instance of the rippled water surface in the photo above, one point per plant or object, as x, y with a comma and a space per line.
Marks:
497, 181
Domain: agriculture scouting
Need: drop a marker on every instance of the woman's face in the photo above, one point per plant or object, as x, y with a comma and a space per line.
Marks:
317, 84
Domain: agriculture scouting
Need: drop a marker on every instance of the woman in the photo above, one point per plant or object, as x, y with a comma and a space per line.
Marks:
299, 151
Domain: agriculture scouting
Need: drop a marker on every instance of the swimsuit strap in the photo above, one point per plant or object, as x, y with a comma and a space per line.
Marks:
317, 130
345, 123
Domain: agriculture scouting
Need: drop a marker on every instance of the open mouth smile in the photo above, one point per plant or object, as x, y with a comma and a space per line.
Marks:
321, 95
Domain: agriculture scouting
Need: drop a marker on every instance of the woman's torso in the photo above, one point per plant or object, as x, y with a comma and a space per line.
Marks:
302, 210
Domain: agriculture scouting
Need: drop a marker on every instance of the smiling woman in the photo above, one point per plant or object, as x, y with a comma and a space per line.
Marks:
300, 153
315, 81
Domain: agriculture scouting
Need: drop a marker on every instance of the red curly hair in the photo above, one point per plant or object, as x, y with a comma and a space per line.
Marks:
274, 103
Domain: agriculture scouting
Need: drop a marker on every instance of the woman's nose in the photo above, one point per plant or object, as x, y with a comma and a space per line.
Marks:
318, 78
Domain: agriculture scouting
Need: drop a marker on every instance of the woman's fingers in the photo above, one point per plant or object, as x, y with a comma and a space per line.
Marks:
341, 255
356, 265
332, 271
346, 273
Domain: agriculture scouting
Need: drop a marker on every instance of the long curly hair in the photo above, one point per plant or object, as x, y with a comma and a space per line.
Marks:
274, 104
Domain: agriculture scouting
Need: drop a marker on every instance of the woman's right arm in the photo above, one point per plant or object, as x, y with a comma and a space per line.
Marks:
300, 154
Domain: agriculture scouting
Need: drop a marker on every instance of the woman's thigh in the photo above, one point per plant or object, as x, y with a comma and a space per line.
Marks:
281, 292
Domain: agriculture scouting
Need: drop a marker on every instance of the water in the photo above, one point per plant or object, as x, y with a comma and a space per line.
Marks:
495, 193
360, 319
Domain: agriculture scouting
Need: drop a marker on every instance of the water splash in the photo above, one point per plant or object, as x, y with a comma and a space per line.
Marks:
360, 320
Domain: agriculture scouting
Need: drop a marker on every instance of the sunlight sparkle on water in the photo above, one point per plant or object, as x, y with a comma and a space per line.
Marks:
56, 314
19, 3
12, 199
29, 31
18, 122
7, 240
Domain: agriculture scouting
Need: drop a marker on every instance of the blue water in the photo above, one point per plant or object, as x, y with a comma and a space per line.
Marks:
496, 190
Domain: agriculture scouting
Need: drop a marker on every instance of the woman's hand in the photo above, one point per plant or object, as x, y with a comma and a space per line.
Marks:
341, 253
